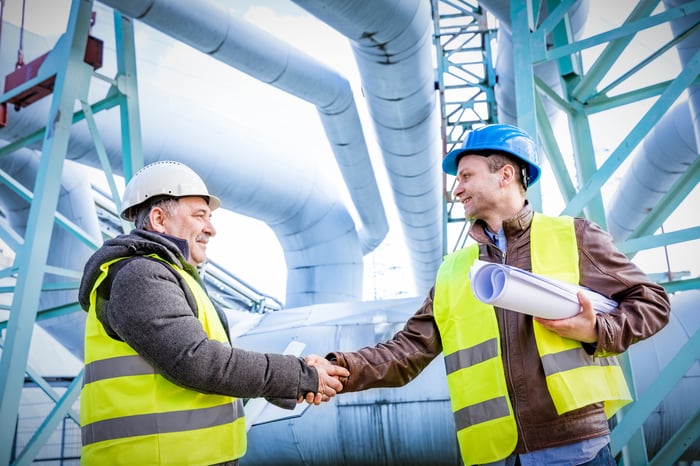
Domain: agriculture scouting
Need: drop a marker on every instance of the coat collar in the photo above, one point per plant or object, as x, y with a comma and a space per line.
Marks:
511, 227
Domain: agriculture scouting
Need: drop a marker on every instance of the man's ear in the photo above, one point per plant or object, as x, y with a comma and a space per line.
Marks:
508, 174
157, 218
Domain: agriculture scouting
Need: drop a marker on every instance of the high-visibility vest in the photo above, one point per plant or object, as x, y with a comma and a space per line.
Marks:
130, 414
486, 427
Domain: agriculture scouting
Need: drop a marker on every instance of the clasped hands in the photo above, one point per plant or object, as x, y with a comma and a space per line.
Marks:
329, 383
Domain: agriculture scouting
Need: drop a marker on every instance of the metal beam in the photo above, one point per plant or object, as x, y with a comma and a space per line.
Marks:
613, 50
72, 82
673, 198
104, 104
465, 83
132, 152
48, 426
682, 285
679, 442
592, 187
522, 23
638, 412
655, 241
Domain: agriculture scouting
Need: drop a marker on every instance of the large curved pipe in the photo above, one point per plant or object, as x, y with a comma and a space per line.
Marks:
392, 44
665, 154
316, 232
686, 49
667, 151
548, 71
213, 29
66, 251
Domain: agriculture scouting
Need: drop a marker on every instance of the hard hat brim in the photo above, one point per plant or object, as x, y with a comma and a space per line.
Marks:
164, 178
449, 163
214, 203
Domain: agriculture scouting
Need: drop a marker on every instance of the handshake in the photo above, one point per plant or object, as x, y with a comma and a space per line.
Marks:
330, 380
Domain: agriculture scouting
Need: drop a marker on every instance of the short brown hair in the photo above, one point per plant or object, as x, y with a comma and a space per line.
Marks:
497, 160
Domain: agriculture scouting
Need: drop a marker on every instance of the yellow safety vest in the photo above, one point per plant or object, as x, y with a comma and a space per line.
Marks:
486, 427
130, 414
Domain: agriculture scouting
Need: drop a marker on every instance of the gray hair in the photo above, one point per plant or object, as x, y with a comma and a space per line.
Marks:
142, 218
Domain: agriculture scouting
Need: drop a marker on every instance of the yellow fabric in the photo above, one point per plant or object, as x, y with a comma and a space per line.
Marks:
465, 322
172, 449
555, 255
125, 396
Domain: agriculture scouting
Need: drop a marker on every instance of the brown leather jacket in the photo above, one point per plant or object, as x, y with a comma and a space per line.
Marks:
643, 310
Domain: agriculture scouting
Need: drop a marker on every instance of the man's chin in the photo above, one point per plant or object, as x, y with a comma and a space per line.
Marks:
199, 259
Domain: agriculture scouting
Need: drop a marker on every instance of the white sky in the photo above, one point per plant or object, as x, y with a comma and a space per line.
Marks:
248, 247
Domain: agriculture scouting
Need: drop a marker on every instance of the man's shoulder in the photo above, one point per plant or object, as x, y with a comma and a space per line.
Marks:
137, 268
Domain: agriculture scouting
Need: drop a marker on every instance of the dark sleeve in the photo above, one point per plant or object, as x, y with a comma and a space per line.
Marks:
395, 362
148, 310
643, 306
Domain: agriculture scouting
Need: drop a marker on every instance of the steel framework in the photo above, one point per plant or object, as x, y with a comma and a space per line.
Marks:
537, 40
465, 82
72, 76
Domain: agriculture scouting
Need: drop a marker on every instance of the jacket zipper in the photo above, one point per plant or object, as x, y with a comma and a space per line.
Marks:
508, 365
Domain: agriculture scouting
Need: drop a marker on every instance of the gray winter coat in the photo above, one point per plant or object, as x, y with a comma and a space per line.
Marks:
145, 303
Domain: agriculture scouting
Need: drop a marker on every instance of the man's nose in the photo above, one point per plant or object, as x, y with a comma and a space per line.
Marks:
210, 228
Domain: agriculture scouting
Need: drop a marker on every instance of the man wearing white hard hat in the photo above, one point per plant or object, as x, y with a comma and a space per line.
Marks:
162, 382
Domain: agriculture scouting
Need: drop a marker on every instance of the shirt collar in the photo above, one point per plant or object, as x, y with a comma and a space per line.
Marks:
511, 227
499, 239
181, 244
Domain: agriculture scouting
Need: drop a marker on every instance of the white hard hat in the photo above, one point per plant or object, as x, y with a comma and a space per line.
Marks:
165, 178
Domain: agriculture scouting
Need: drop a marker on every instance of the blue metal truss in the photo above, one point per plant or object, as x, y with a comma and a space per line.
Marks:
465, 79
72, 82
465, 82
538, 40
72, 75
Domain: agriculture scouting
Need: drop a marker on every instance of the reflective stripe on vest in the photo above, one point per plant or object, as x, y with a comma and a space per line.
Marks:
132, 415
486, 428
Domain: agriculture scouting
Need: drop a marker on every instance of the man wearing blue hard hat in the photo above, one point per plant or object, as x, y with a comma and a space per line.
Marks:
524, 390
499, 139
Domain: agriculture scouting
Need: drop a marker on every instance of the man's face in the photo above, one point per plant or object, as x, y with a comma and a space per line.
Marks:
477, 188
192, 222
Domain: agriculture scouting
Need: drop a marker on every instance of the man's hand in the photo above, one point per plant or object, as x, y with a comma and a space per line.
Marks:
328, 383
581, 327
314, 360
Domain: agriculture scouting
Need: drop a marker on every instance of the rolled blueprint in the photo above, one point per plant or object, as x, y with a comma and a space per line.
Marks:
518, 290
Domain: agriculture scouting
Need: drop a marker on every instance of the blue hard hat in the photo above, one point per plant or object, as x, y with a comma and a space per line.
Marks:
497, 138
